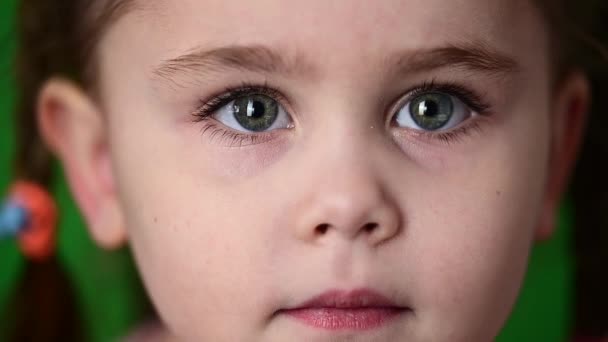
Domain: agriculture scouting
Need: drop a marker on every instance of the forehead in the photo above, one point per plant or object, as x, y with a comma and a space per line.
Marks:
336, 34
346, 22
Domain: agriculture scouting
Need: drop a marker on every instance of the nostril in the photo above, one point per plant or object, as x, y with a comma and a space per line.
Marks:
370, 227
322, 229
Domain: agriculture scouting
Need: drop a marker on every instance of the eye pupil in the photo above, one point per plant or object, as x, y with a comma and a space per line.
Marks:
428, 108
256, 113
432, 111
255, 109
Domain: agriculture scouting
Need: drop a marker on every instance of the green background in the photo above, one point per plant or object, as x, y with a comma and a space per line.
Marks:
108, 287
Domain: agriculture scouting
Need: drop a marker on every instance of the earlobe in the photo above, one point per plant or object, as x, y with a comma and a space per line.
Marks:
568, 120
74, 128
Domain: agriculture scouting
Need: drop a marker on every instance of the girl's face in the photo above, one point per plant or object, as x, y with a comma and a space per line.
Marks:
261, 153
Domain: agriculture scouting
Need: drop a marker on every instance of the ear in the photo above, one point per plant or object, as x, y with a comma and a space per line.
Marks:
74, 129
569, 117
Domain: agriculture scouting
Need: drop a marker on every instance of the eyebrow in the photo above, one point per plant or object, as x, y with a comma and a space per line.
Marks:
252, 58
475, 56
265, 60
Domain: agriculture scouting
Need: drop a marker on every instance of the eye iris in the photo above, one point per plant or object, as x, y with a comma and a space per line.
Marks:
256, 113
432, 111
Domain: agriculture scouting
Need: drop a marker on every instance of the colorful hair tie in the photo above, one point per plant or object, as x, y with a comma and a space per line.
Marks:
30, 214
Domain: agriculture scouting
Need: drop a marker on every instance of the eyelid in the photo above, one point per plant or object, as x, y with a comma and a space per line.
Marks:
209, 105
445, 138
461, 112
215, 129
469, 97
234, 139
480, 109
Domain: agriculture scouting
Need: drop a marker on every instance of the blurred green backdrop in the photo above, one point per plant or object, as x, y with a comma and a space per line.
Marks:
108, 287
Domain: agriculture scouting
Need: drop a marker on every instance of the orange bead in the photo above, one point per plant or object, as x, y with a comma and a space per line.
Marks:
37, 240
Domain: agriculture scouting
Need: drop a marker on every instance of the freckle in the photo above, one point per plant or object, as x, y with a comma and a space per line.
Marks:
155, 219
498, 192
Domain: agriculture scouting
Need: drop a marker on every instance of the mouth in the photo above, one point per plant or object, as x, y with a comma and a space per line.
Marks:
360, 309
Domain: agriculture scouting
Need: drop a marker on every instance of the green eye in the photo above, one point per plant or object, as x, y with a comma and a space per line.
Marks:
255, 113
433, 111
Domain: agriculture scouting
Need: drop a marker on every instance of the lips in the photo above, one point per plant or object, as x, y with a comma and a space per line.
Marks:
360, 309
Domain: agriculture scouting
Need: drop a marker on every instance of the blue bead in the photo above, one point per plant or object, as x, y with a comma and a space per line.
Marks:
13, 218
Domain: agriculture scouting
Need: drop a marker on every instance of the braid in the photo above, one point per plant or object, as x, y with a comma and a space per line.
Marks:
44, 308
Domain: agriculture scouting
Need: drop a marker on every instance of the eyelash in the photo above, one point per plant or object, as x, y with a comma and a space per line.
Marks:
212, 104
467, 96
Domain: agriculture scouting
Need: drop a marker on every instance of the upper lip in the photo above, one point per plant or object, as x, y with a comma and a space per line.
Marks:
357, 298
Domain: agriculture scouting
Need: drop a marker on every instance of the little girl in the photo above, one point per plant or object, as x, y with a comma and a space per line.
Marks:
315, 170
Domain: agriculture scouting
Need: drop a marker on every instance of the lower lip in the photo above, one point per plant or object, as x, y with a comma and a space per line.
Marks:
345, 318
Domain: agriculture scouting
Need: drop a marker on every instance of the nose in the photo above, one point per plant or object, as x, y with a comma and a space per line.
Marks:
351, 205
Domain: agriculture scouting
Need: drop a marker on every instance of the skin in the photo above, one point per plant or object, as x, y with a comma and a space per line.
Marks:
226, 235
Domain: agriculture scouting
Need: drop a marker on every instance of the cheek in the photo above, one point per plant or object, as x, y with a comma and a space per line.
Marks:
474, 227
184, 229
